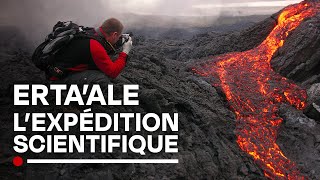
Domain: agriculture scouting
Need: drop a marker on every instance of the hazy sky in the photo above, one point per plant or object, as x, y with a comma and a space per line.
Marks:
35, 18
198, 7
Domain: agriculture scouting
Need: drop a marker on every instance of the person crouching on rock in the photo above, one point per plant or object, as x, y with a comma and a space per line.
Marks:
86, 60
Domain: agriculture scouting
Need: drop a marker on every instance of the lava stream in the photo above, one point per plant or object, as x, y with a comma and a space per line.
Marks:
255, 93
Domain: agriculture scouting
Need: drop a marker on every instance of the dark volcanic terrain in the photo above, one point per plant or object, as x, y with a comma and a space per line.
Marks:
162, 68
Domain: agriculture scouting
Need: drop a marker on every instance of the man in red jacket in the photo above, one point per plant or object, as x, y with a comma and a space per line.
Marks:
87, 60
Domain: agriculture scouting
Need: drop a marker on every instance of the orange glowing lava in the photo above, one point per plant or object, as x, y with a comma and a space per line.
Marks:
255, 93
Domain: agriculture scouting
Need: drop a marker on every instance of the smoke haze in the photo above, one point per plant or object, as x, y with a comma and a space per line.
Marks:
35, 18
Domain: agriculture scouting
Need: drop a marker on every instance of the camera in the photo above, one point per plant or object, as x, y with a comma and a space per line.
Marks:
123, 39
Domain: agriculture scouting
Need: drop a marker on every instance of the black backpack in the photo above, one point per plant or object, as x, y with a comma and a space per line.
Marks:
63, 32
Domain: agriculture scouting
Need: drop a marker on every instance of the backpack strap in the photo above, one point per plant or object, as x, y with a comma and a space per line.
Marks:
91, 33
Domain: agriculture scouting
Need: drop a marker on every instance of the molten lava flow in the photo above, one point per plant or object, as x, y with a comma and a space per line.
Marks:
255, 92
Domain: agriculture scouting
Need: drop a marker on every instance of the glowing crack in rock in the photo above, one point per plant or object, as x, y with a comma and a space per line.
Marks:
255, 92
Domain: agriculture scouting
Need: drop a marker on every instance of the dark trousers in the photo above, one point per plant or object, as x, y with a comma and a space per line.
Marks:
86, 77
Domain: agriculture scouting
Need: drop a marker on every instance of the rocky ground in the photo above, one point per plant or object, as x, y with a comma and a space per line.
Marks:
207, 143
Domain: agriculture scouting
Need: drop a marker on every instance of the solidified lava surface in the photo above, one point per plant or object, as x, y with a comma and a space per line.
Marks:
208, 147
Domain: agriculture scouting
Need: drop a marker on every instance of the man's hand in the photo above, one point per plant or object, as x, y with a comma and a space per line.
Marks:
127, 46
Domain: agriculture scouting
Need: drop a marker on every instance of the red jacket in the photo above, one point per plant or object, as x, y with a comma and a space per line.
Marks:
84, 54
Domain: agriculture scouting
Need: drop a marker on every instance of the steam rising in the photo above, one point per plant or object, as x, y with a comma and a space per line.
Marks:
35, 18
